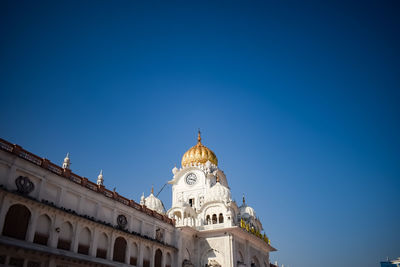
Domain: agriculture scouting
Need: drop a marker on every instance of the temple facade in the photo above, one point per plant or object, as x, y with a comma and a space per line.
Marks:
50, 216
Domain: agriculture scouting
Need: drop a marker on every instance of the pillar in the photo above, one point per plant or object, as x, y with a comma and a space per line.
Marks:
75, 237
128, 251
30, 234
93, 243
140, 257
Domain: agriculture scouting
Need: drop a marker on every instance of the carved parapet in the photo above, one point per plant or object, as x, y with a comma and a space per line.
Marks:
66, 173
100, 188
45, 163
16, 149
84, 181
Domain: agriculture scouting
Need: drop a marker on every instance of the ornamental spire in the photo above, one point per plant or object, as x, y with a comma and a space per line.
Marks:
152, 189
199, 137
244, 201
100, 179
66, 162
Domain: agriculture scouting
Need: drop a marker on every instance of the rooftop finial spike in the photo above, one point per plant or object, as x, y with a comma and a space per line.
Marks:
100, 179
244, 201
199, 136
217, 178
152, 189
66, 162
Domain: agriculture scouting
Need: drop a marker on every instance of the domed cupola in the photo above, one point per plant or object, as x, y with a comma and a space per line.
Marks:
153, 203
245, 211
199, 154
218, 192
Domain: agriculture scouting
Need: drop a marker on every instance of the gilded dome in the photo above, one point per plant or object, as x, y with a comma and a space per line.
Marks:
199, 154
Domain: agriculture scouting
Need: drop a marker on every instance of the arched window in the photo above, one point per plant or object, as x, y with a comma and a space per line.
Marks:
102, 244
16, 222
255, 262
65, 236
146, 257
134, 254
168, 260
214, 218
208, 220
221, 218
119, 249
158, 258
84, 241
42, 230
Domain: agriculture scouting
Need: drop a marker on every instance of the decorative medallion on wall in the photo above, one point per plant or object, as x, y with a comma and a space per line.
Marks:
122, 221
24, 185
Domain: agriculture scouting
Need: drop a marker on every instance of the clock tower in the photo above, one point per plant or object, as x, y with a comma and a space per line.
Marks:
195, 184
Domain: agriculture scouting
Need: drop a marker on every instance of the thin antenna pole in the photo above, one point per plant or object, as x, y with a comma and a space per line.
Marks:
161, 189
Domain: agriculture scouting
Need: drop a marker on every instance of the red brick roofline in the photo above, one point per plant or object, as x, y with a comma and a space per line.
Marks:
67, 174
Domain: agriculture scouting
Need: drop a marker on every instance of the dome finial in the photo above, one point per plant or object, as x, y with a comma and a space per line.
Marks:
244, 201
152, 189
199, 137
217, 178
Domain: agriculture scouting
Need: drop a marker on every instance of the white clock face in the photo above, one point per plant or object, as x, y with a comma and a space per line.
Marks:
191, 178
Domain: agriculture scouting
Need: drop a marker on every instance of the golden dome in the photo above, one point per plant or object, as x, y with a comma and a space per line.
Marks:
199, 154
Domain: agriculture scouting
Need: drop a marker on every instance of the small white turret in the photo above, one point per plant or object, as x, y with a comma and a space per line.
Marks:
66, 162
142, 200
100, 179
174, 170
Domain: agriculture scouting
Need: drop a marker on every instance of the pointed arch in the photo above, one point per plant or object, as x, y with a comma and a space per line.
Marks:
16, 221
65, 236
158, 258
168, 260
102, 244
146, 257
119, 249
84, 241
221, 218
134, 254
42, 232
214, 218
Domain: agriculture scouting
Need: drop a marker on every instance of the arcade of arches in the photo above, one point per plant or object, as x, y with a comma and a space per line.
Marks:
19, 224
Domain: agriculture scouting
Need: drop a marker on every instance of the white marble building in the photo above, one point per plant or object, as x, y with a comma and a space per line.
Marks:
50, 216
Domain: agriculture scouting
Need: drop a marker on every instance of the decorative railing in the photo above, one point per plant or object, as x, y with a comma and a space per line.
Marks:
67, 174
247, 227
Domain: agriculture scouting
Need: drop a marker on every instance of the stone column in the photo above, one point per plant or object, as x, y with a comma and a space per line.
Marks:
140, 257
111, 247
30, 234
53, 234
164, 258
232, 256
128, 252
152, 254
75, 237
93, 245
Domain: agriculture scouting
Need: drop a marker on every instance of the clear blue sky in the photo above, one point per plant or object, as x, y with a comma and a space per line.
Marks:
299, 101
